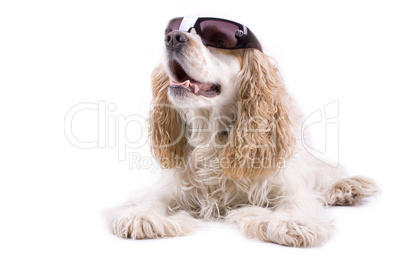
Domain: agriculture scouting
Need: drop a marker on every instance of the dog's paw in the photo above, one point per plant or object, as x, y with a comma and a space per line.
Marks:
351, 191
280, 228
137, 224
290, 233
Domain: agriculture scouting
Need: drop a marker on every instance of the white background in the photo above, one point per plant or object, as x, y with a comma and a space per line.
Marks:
56, 54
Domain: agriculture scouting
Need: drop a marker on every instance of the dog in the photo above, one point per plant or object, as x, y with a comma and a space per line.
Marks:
228, 138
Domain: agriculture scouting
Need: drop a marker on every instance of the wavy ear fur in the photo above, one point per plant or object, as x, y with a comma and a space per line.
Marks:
166, 125
261, 137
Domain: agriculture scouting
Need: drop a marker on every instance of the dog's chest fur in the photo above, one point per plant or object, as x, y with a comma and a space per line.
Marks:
205, 192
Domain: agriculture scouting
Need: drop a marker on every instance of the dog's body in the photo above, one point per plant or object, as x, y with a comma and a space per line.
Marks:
231, 148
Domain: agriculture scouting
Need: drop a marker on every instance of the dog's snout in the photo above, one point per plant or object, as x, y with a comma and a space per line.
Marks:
175, 38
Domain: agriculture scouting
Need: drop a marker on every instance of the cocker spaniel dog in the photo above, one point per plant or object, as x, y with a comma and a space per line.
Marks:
228, 138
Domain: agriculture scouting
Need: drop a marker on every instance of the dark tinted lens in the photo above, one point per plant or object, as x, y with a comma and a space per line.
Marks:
173, 25
220, 33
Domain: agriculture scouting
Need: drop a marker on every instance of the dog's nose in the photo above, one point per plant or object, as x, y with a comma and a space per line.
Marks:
175, 38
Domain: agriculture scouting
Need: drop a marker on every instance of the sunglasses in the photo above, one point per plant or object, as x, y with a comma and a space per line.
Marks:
215, 32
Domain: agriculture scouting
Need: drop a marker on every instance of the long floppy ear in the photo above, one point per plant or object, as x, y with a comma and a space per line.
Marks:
165, 123
261, 138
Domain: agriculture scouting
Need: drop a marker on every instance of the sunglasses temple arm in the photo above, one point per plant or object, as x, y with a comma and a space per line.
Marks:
253, 41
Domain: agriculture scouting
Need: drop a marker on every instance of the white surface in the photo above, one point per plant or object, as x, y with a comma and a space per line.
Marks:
56, 54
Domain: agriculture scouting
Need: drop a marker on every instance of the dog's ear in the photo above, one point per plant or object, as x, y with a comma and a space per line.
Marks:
165, 123
262, 137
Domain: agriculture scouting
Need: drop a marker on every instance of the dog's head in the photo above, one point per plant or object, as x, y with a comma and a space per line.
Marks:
213, 68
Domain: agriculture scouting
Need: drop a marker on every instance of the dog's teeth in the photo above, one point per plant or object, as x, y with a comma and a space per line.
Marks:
187, 83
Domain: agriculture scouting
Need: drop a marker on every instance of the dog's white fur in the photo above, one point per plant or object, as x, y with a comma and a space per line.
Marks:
284, 206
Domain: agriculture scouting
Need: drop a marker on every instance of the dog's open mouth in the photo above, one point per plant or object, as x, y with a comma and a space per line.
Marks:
186, 83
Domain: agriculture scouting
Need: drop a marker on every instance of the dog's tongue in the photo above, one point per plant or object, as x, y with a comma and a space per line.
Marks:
194, 87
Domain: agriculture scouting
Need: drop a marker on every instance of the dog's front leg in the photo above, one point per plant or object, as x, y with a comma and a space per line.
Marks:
294, 221
151, 217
